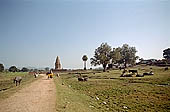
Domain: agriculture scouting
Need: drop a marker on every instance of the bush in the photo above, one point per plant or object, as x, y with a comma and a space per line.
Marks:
1, 67
24, 69
13, 69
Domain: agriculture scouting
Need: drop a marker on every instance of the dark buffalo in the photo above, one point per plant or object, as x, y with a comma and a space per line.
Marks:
133, 71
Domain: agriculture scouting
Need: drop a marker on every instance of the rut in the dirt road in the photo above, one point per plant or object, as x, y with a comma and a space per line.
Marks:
39, 96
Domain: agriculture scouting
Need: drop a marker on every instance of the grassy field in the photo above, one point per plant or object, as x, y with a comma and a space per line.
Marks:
69, 100
7, 87
110, 92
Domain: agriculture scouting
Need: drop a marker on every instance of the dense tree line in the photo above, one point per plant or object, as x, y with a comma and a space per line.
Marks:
105, 54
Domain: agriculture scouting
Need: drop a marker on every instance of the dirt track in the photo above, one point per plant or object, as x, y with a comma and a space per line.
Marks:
39, 96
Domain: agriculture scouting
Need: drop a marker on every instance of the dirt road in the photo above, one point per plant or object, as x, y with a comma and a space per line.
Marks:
39, 96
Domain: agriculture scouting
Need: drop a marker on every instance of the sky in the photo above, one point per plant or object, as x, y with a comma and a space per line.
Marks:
34, 32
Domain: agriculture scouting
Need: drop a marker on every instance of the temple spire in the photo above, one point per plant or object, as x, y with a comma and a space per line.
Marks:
57, 64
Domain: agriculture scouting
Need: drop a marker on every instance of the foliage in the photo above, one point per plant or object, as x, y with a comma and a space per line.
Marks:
166, 53
116, 55
124, 54
84, 58
13, 69
121, 55
129, 54
47, 69
1, 67
102, 55
24, 69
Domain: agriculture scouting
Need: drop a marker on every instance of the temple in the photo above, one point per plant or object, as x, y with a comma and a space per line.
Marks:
57, 64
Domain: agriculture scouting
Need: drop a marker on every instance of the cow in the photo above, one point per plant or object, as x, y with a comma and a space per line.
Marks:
82, 78
126, 75
58, 75
35, 75
17, 80
133, 71
166, 68
150, 73
139, 75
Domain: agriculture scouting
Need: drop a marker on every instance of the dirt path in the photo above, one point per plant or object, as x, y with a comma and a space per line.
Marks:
39, 96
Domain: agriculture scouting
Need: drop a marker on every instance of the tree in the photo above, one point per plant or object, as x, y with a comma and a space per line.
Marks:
13, 69
1, 67
128, 54
84, 58
116, 55
24, 69
47, 69
102, 55
166, 54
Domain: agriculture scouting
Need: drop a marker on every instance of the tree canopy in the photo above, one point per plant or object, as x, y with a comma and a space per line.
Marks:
84, 58
102, 55
24, 69
47, 69
166, 53
128, 54
13, 69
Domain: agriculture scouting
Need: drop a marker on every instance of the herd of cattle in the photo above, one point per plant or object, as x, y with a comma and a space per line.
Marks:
135, 72
17, 80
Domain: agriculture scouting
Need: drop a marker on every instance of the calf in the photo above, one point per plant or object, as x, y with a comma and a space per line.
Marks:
17, 80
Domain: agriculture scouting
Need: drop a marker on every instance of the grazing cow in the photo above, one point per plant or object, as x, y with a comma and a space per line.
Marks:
17, 80
126, 75
120, 68
82, 78
139, 75
85, 78
58, 75
35, 75
150, 73
166, 68
133, 71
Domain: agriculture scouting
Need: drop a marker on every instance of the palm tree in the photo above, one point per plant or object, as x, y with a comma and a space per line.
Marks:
84, 58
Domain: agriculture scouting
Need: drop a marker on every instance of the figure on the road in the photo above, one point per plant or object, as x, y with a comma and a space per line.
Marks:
50, 74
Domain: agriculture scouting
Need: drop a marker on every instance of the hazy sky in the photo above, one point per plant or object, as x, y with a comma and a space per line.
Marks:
34, 32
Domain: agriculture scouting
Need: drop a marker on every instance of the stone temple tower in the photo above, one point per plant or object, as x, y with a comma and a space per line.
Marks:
57, 64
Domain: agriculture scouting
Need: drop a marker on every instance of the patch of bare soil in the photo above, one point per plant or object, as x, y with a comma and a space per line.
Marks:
39, 96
